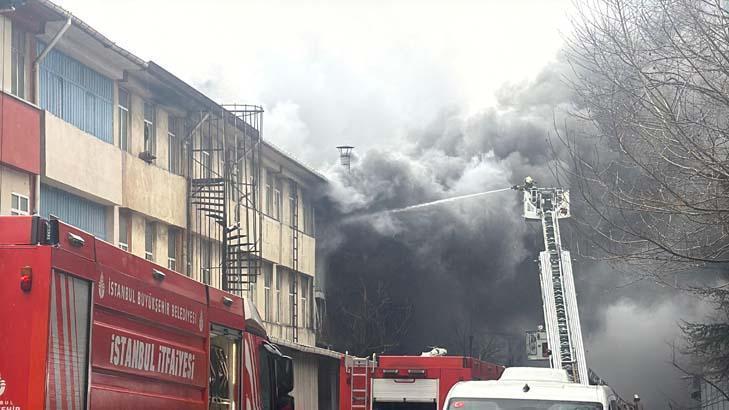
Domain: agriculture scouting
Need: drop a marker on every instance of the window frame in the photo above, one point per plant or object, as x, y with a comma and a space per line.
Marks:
308, 212
174, 150
18, 60
293, 203
125, 120
277, 198
16, 210
253, 292
269, 193
303, 301
292, 296
267, 297
279, 307
206, 261
150, 134
149, 240
123, 244
172, 239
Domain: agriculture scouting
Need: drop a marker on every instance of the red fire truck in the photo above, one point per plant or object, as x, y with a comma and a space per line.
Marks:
406, 382
84, 324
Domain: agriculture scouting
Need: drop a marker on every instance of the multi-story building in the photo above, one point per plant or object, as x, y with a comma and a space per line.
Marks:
123, 149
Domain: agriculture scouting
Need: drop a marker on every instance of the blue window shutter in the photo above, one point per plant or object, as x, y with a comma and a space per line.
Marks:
74, 210
77, 94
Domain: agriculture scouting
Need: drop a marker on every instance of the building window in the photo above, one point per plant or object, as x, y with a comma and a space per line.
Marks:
253, 292
123, 231
150, 143
206, 160
149, 241
267, 279
308, 211
277, 199
292, 297
206, 261
17, 60
77, 94
279, 307
269, 193
304, 301
172, 248
124, 119
18, 204
312, 305
293, 204
174, 147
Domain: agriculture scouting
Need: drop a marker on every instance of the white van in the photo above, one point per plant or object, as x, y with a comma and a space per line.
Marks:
529, 388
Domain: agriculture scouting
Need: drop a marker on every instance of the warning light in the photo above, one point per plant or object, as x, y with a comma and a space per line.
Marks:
26, 278
459, 405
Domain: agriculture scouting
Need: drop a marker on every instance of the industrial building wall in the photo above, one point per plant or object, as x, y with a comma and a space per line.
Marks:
274, 303
13, 183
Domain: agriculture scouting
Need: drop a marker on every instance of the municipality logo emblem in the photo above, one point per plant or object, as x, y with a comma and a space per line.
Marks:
102, 286
2, 386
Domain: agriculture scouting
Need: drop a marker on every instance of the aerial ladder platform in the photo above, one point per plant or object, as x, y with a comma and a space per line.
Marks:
561, 316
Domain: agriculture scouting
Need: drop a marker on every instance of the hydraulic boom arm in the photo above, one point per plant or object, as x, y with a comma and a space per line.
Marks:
561, 316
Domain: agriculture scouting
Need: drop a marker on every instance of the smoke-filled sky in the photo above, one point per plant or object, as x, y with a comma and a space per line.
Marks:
440, 99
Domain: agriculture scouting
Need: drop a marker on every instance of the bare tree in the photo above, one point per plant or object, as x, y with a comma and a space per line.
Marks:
648, 143
368, 319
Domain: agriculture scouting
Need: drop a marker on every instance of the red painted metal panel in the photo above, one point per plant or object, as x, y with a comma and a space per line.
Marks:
103, 398
130, 296
447, 369
134, 354
227, 315
423, 362
119, 260
24, 342
140, 385
19, 134
76, 241
73, 264
16, 230
252, 397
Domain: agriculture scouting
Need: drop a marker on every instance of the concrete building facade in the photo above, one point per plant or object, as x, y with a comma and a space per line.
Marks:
123, 149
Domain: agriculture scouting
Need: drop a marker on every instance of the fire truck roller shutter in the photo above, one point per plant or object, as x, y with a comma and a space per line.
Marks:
70, 314
419, 393
225, 348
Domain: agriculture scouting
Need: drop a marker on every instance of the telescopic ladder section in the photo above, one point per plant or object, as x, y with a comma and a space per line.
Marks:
360, 371
561, 316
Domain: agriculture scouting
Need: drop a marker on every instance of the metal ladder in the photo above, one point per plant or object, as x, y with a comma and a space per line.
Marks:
295, 259
360, 370
553, 245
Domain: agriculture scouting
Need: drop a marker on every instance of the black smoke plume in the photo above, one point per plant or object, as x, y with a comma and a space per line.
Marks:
463, 275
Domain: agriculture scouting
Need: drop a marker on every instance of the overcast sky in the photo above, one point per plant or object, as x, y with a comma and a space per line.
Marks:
329, 73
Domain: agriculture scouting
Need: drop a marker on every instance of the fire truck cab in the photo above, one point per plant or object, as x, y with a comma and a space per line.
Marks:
406, 382
84, 324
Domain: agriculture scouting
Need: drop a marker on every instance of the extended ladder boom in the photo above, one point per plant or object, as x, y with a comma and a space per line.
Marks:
561, 316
